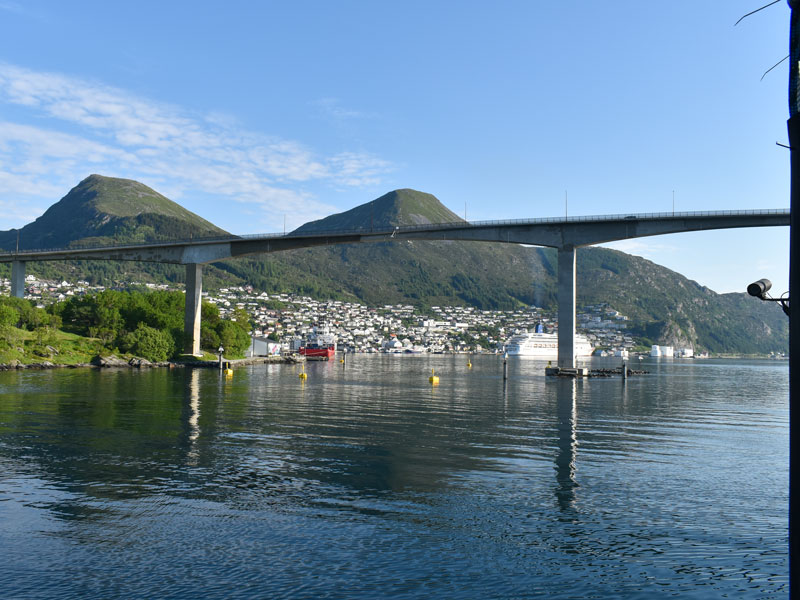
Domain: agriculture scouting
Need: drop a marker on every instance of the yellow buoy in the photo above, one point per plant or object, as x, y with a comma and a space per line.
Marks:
303, 375
229, 372
434, 379
469, 364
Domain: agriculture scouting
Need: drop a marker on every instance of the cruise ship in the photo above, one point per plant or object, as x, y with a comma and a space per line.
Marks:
544, 345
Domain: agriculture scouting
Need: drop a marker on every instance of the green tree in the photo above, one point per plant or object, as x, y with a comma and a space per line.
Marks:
9, 316
233, 338
148, 342
242, 319
209, 314
97, 315
209, 338
107, 323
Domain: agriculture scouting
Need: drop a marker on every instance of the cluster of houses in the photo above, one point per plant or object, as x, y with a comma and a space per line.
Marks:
44, 291
283, 321
287, 320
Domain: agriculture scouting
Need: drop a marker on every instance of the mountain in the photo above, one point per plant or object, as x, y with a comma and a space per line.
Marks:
400, 207
668, 308
419, 272
102, 210
664, 307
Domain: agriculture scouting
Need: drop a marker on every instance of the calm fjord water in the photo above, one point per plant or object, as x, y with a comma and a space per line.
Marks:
366, 482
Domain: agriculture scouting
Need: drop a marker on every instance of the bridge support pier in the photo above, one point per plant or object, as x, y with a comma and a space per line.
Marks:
18, 279
566, 307
192, 312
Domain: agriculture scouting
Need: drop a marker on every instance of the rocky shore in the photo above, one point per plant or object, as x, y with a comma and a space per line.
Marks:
112, 362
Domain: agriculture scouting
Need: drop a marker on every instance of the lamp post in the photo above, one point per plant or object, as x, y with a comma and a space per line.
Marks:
793, 126
220, 351
759, 290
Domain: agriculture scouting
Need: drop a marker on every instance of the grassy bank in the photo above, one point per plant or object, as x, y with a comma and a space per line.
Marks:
58, 347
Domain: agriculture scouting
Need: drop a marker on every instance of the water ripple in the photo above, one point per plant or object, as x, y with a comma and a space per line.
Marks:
366, 482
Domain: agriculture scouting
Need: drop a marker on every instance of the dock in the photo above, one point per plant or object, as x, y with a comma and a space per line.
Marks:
624, 371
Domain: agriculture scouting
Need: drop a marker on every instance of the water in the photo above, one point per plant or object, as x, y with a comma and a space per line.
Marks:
366, 482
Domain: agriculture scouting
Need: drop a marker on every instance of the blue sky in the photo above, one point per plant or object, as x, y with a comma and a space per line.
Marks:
249, 113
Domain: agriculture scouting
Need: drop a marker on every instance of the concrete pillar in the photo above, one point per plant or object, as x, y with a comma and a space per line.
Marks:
191, 317
18, 279
566, 307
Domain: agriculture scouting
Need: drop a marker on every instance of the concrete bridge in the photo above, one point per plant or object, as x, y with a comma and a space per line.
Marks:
565, 234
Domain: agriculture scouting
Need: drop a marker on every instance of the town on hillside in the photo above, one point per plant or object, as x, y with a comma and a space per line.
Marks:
282, 321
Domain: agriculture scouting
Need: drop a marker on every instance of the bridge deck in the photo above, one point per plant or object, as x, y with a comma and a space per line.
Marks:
527, 229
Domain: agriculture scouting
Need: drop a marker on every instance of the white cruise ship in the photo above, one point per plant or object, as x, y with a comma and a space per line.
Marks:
544, 345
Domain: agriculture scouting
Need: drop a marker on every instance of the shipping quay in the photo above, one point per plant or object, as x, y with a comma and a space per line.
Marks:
624, 371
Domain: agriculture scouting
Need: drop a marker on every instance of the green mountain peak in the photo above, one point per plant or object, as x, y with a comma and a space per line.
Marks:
398, 207
109, 210
116, 197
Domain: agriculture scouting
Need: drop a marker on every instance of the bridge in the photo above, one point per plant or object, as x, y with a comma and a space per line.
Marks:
565, 234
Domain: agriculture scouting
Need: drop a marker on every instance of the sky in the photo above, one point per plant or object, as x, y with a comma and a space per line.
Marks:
264, 115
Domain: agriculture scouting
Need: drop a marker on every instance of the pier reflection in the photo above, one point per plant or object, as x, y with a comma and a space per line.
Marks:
194, 415
567, 415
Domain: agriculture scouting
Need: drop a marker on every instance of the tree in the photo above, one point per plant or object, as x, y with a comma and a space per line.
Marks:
9, 316
242, 319
150, 343
209, 338
233, 338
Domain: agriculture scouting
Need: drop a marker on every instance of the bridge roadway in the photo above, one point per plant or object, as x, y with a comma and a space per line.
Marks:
565, 234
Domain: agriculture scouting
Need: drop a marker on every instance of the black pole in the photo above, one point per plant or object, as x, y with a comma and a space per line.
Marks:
794, 360
794, 319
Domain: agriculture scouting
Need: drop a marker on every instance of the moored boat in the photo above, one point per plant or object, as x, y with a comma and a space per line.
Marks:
539, 344
320, 345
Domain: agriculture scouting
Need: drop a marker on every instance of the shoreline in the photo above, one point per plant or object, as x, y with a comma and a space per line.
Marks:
115, 362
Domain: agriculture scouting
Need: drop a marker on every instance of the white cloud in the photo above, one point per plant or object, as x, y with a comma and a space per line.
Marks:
75, 127
14, 8
647, 248
330, 107
351, 169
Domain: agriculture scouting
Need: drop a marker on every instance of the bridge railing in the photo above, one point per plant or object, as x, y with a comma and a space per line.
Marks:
123, 245
388, 230
537, 221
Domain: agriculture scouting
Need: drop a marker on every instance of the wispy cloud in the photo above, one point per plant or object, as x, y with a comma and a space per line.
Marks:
332, 108
645, 247
14, 8
74, 127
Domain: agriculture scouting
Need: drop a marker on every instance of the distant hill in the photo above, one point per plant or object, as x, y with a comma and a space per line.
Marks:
102, 210
664, 306
399, 207
418, 272
667, 308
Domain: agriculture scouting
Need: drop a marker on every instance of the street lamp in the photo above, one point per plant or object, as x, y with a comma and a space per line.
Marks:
759, 290
220, 350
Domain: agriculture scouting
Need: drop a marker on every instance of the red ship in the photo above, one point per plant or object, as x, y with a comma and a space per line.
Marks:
318, 351
321, 345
